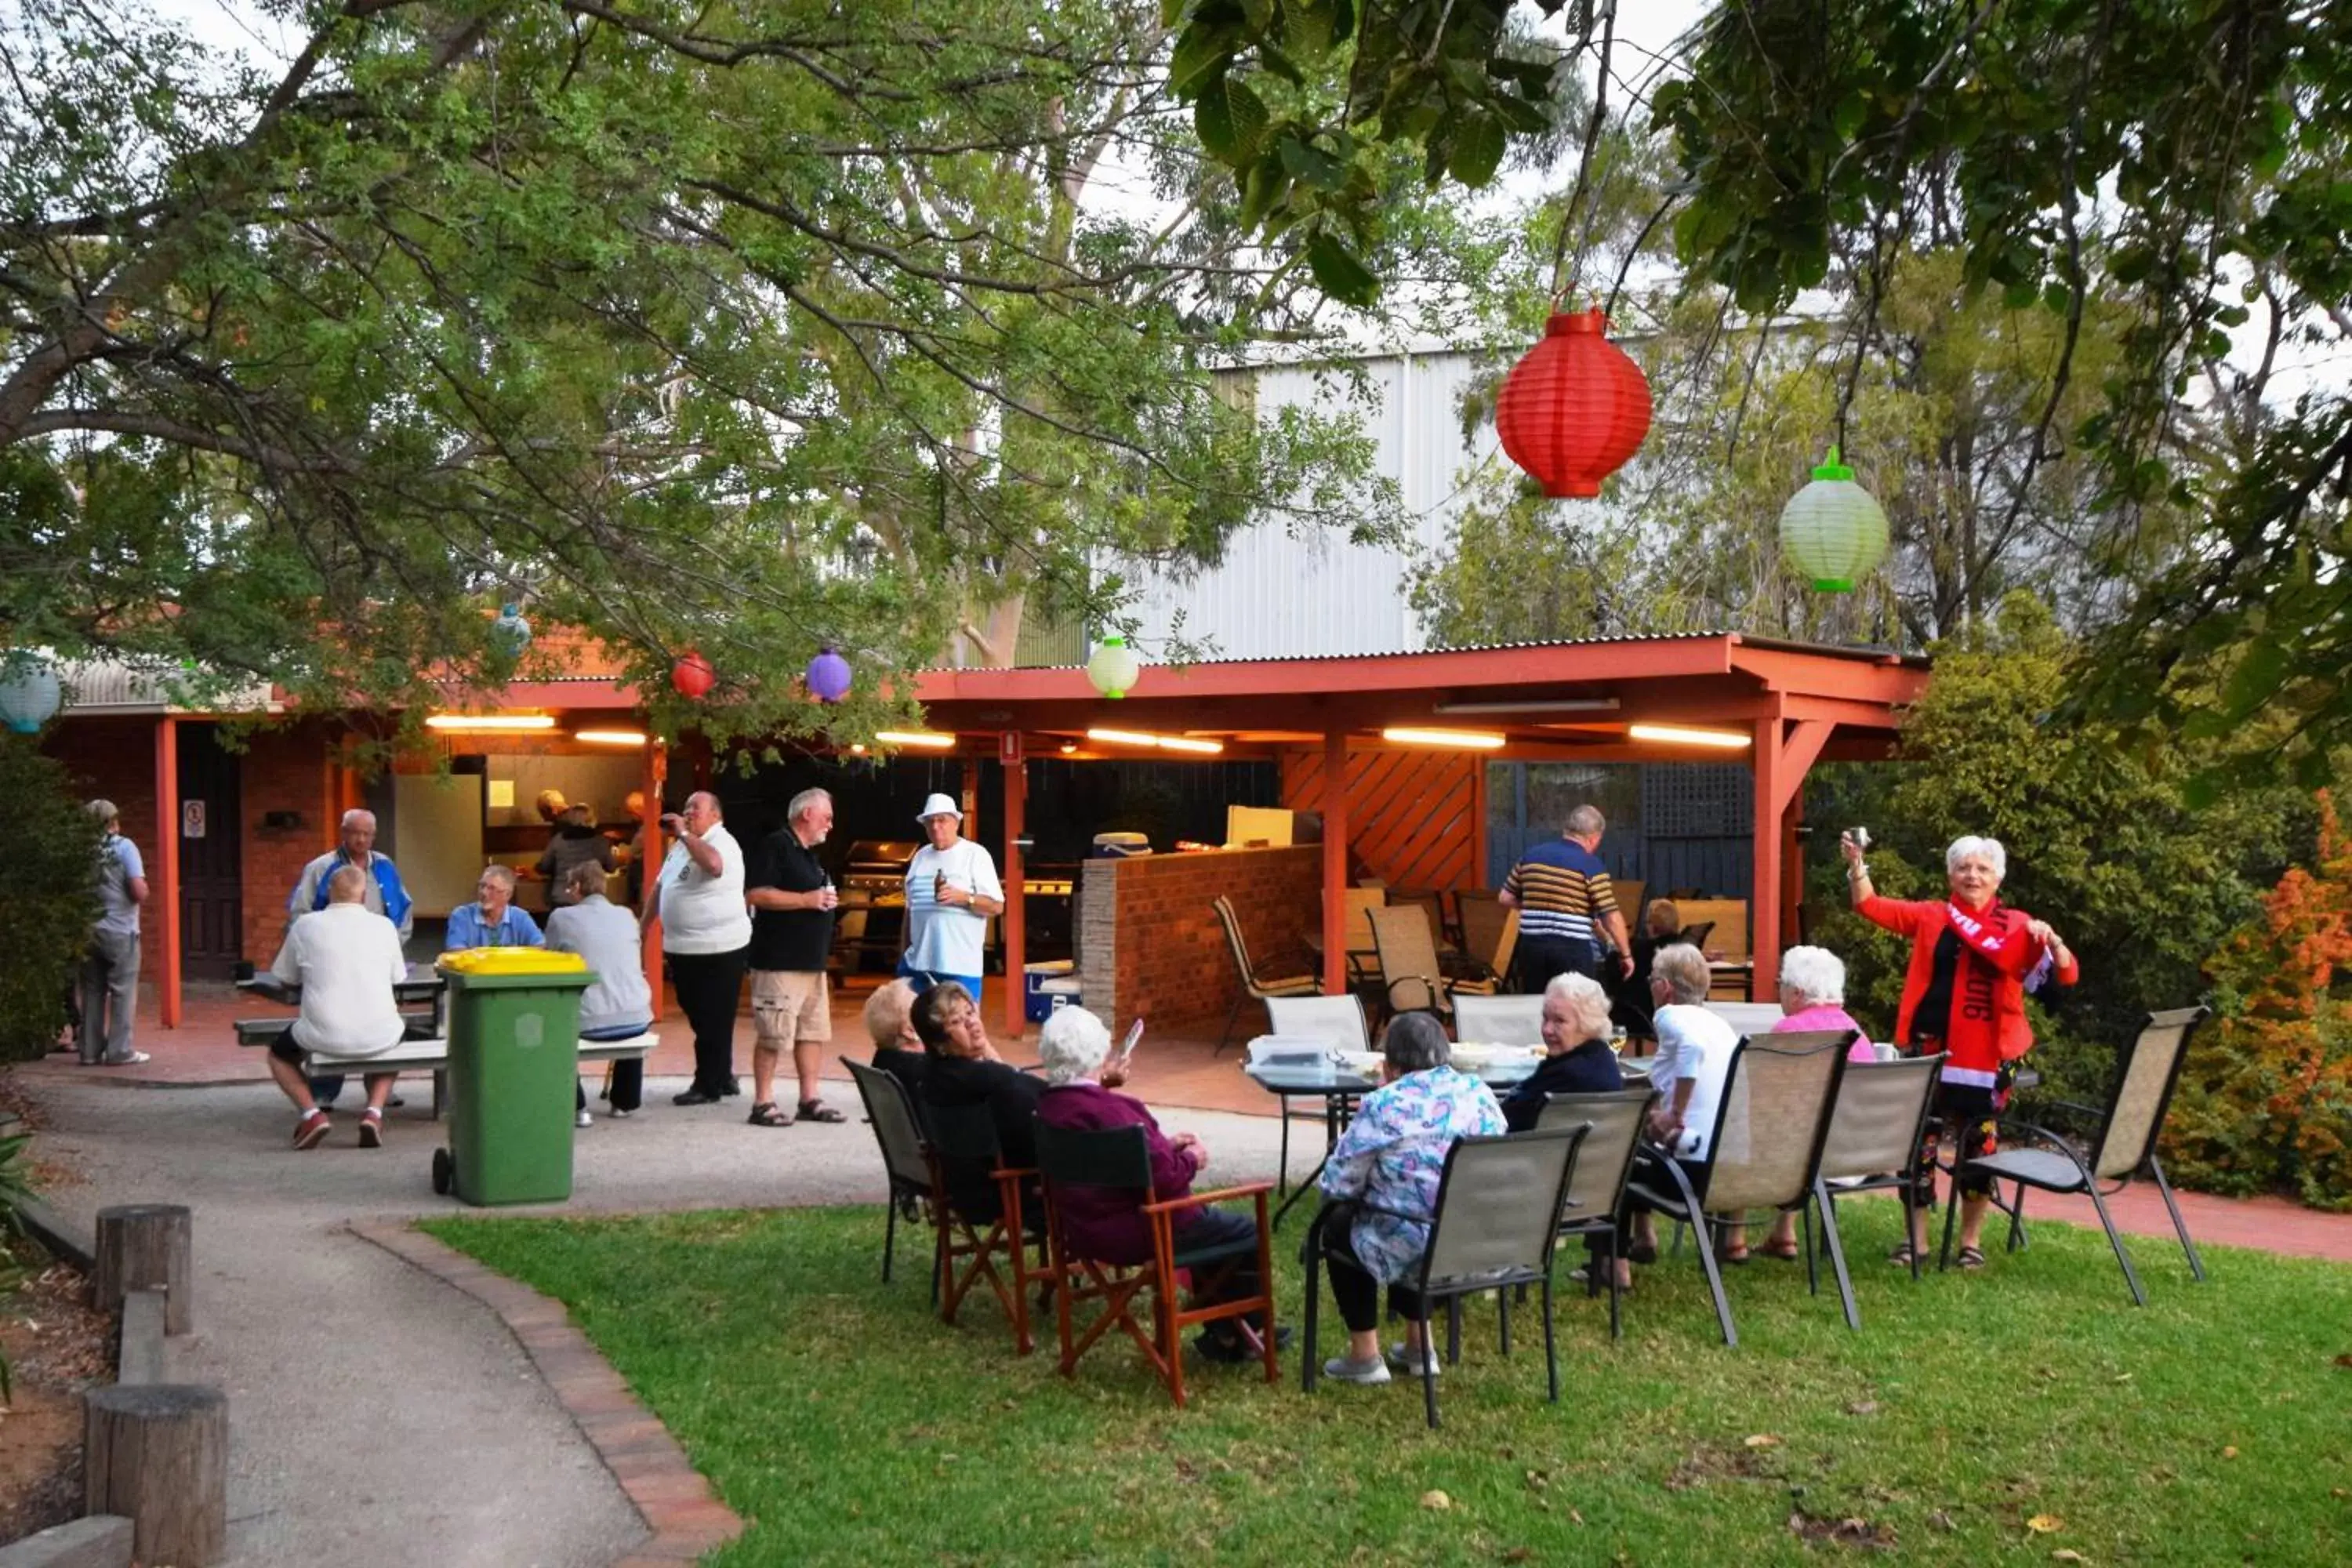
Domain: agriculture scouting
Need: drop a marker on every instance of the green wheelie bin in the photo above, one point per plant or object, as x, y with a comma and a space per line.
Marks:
514, 1058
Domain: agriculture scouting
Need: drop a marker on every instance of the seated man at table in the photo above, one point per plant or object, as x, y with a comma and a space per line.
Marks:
494, 921
963, 1069
1107, 1224
346, 958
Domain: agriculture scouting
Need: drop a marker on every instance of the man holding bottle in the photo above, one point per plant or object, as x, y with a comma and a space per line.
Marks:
792, 901
952, 892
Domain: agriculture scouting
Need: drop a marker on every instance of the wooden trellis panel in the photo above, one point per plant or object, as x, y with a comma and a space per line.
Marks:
1415, 819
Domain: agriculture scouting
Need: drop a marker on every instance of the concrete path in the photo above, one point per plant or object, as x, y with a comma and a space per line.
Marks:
378, 1417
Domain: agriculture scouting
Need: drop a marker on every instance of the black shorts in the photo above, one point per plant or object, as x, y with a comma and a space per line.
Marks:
286, 1049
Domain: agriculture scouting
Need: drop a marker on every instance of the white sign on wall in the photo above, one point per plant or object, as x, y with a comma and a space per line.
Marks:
191, 819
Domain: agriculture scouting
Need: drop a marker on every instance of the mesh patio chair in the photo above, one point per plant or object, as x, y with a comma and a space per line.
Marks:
1496, 1226
1769, 1126
1873, 1144
1613, 1132
1499, 1020
1121, 1159
1256, 985
905, 1156
978, 1241
1411, 979
2122, 1146
1490, 931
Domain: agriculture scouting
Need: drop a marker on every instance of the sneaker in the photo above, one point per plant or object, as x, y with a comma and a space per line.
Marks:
312, 1129
583, 1119
132, 1060
371, 1131
1347, 1369
1402, 1360
620, 1115
694, 1097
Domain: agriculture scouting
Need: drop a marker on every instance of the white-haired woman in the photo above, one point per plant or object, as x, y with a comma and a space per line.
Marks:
1813, 996
1107, 1223
1577, 1059
1963, 995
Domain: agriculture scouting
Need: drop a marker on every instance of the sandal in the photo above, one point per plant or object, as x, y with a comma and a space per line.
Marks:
768, 1113
1971, 1257
1644, 1253
1904, 1255
1789, 1254
817, 1111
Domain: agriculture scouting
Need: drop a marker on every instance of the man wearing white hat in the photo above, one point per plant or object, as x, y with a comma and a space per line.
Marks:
951, 892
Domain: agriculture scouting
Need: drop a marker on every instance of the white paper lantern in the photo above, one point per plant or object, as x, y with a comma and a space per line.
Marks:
1113, 668
29, 693
1834, 531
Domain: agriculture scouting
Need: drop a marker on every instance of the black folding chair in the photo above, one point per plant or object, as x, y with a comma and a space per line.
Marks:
965, 1135
904, 1155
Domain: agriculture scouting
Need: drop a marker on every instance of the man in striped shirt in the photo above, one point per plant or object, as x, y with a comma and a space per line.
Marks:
1562, 891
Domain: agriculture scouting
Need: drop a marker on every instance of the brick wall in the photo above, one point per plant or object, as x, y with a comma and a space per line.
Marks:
1150, 943
115, 759
285, 771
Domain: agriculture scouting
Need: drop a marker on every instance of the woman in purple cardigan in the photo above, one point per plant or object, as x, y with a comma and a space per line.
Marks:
1108, 1225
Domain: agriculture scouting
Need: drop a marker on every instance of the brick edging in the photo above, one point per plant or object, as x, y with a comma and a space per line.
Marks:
669, 1494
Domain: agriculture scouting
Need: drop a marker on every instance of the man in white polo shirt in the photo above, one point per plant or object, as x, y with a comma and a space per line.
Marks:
951, 892
346, 958
706, 937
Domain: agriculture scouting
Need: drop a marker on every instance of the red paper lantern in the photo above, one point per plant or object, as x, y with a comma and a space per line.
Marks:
1575, 408
692, 674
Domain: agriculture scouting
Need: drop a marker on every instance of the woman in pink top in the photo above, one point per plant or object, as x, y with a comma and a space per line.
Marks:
1813, 996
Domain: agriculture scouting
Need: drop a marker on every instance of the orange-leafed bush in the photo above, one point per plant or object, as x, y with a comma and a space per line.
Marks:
2265, 1100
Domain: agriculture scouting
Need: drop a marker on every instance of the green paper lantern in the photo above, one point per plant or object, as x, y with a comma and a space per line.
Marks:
1834, 531
1113, 669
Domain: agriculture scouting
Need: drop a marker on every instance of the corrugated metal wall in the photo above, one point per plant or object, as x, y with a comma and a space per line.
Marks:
1277, 595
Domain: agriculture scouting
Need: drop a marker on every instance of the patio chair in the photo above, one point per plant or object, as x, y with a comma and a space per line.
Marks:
1411, 981
968, 1133
2122, 1146
1335, 1021
905, 1156
1120, 1158
1873, 1142
1499, 1020
1613, 1132
1490, 935
1496, 1226
1696, 934
1254, 986
1769, 1126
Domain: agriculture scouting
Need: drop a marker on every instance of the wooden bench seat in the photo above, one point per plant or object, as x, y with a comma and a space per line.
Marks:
423, 1053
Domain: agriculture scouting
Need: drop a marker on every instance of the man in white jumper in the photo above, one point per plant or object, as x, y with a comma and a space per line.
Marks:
346, 958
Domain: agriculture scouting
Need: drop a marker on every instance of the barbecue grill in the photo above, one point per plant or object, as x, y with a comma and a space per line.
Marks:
873, 899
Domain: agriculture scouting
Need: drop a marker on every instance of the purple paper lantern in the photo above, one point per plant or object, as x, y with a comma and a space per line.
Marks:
828, 676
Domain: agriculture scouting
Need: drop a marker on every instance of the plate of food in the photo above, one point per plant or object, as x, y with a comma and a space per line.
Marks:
1365, 1064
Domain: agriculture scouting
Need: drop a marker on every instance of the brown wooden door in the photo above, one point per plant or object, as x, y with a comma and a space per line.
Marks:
211, 887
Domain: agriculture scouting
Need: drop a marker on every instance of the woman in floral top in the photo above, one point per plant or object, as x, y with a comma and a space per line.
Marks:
1389, 1162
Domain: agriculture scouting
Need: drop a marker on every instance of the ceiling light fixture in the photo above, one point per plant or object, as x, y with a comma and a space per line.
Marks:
930, 738
1452, 740
1164, 742
1534, 705
1676, 735
611, 737
488, 723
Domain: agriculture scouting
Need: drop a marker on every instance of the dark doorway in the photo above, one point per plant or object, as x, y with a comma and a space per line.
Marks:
211, 886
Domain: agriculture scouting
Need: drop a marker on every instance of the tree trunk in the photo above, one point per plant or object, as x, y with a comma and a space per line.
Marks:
158, 1455
146, 1247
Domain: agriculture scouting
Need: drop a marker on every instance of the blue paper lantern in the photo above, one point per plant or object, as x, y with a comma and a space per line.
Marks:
828, 676
30, 695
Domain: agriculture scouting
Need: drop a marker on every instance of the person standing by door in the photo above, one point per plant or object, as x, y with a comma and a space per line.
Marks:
110, 971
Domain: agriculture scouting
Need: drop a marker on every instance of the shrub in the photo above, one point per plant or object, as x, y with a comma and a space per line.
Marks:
48, 896
2265, 1100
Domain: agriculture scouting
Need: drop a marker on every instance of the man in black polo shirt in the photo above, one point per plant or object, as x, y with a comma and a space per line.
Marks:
792, 901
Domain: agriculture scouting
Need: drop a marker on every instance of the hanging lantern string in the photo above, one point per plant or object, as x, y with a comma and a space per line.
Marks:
1563, 277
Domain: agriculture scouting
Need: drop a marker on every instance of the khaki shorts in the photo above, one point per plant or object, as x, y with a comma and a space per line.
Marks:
787, 1005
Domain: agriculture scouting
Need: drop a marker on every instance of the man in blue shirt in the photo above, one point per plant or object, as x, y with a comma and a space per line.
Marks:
1562, 891
494, 921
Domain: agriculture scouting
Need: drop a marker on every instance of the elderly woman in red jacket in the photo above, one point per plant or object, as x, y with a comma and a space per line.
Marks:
1964, 995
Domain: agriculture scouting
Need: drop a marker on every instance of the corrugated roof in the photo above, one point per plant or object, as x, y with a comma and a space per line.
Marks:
1872, 653
122, 685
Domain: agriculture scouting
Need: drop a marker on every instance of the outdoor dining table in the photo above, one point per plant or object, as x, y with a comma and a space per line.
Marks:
1339, 1088
423, 984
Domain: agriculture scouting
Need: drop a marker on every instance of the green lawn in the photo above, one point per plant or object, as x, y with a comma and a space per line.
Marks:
850, 1426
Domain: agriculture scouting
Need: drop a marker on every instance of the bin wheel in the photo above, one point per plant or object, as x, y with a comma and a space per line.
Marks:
442, 1171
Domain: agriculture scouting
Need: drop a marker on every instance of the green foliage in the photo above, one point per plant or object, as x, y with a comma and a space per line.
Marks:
48, 896
2160, 1436
740, 328
2265, 1100
2102, 842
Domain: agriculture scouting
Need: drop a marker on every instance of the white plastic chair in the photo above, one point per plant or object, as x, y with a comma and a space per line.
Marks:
1338, 1020
1499, 1020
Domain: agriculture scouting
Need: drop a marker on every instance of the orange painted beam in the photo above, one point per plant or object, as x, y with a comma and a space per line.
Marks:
1016, 914
1769, 762
1335, 863
164, 887
649, 847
